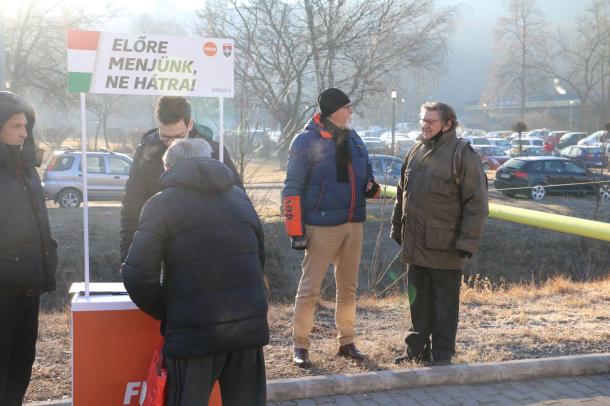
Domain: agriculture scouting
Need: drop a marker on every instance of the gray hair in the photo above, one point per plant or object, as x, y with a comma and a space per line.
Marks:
185, 148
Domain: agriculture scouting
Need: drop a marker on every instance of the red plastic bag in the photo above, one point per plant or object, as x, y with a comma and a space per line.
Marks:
156, 380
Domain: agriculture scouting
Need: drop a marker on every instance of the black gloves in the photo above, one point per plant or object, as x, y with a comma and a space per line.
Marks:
373, 190
298, 242
464, 253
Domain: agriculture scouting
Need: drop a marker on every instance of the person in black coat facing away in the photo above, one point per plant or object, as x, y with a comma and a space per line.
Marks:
196, 264
28, 254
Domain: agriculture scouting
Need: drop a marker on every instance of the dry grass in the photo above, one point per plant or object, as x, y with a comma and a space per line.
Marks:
264, 171
559, 318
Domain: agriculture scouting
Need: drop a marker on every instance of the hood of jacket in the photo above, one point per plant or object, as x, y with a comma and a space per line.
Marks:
11, 104
202, 174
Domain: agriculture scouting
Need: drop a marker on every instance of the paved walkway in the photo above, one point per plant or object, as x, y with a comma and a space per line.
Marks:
579, 390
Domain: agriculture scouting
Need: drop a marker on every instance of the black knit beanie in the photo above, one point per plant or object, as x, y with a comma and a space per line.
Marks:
331, 100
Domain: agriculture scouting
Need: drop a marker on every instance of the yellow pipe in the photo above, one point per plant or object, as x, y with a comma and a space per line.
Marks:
556, 222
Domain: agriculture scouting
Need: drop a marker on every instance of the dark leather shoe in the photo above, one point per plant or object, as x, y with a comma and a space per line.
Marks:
350, 351
301, 358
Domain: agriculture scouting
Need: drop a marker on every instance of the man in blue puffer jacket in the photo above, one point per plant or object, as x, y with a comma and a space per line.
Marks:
328, 177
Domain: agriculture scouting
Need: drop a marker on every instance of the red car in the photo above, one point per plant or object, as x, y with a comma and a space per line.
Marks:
491, 157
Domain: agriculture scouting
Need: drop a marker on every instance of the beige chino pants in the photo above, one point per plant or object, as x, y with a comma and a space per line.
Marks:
342, 246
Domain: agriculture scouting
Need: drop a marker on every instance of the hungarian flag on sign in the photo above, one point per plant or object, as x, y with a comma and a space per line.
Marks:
82, 48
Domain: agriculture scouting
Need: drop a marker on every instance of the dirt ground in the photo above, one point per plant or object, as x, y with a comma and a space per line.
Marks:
509, 322
560, 318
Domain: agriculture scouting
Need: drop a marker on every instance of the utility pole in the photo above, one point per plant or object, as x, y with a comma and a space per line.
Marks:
2, 53
393, 96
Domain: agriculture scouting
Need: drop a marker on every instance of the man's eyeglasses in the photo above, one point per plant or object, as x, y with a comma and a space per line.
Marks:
349, 107
171, 138
428, 121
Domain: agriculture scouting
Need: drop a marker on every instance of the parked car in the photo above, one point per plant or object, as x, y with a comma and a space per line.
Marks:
595, 139
551, 141
539, 133
554, 136
570, 139
527, 141
107, 174
526, 150
588, 156
472, 140
374, 145
386, 169
473, 132
537, 175
491, 157
402, 145
387, 135
499, 134
500, 143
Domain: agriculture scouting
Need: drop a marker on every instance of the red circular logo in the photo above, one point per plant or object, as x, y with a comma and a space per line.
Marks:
209, 48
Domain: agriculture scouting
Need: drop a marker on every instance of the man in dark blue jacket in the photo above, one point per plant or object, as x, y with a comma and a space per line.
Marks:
210, 296
327, 178
28, 255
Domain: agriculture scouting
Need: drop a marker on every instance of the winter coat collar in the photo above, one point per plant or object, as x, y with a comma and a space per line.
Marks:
202, 174
438, 139
315, 124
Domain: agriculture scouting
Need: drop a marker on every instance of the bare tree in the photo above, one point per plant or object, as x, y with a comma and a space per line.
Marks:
521, 44
355, 44
36, 46
289, 51
580, 60
272, 57
104, 106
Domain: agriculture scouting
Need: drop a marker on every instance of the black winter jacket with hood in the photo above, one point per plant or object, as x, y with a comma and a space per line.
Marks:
144, 175
28, 254
207, 234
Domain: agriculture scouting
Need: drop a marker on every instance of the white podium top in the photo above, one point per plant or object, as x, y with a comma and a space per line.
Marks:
102, 297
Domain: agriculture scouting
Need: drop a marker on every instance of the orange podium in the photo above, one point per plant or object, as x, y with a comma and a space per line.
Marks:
112, 346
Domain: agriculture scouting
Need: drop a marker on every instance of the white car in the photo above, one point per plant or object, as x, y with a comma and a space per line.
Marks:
387, 135
402, 145
595, 139
538, 142
476, 140
501, 143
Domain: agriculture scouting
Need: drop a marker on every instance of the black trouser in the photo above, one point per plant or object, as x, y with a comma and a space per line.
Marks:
241, 375
434, 297
18, 334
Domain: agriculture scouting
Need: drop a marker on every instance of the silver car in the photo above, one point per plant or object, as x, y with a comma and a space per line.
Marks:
386, 169
107, 174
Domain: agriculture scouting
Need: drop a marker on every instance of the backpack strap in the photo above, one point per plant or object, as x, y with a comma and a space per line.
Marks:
456, 160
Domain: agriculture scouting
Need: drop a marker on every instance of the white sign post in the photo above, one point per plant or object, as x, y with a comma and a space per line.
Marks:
131, 64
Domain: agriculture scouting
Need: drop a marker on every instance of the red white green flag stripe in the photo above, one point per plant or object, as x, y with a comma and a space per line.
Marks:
82, 50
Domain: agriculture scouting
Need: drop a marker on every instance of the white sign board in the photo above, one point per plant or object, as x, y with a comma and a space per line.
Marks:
102, 62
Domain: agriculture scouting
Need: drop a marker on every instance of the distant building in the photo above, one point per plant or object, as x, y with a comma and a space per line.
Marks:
558, 113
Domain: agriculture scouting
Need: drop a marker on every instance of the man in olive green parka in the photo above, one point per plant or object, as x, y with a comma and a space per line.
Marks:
439, 215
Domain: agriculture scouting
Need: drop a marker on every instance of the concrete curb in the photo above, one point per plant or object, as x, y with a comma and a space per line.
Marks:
330, 385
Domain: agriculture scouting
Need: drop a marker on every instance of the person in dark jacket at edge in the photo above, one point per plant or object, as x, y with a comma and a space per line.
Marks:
438, 218
28, 254
174, 120
328, 176
210, 296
